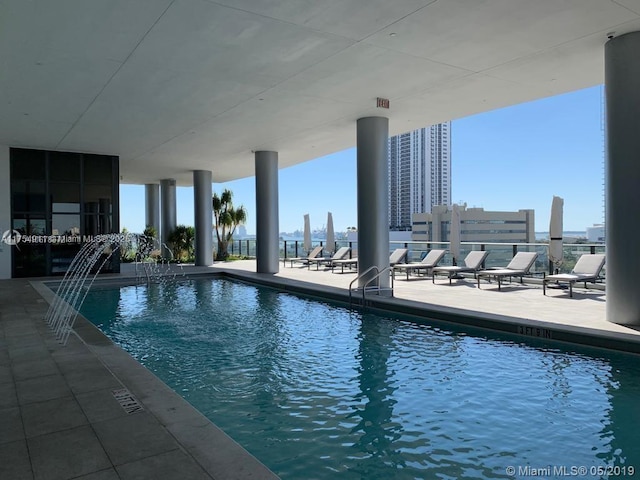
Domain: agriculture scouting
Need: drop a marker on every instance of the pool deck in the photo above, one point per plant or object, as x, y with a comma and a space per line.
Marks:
87, 410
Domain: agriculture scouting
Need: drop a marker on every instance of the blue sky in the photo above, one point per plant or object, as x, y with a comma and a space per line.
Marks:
507, 159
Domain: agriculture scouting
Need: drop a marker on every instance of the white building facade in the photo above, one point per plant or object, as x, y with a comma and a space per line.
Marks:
419, 173
596, 234
477, 225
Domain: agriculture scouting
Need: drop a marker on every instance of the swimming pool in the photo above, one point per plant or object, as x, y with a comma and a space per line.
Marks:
315, 391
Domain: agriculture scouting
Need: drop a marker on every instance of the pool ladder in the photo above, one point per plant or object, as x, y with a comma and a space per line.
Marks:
366, 286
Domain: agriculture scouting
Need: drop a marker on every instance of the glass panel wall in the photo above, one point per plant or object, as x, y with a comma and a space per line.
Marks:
58, 201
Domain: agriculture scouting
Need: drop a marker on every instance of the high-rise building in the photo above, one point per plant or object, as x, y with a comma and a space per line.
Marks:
419, 173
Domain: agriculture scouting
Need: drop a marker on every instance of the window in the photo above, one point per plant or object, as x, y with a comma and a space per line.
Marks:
64, 167
28, 164
98, 169
65, 197
62, 194
28, 196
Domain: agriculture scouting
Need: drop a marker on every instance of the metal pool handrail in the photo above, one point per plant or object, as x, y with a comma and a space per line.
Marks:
364, 287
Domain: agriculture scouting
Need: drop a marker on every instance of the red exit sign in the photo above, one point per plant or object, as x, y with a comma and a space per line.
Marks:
382, 102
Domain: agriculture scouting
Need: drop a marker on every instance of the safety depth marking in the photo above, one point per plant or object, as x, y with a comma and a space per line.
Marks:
535, 331
127, 401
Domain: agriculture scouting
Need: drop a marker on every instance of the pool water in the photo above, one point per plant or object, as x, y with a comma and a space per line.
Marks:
315, 391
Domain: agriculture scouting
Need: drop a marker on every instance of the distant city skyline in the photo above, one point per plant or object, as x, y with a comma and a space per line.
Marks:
512, 158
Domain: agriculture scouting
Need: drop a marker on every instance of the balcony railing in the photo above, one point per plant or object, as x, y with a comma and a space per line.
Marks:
500, 254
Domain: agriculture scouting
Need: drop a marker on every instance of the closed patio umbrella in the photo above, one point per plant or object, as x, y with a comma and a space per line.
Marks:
331, 237
306, 244
555, 233
454, 233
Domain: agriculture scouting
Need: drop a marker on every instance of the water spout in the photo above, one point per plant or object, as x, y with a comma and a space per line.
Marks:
92, 257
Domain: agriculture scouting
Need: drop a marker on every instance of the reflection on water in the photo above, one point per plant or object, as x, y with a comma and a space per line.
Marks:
317, 392
620, 430
375, 427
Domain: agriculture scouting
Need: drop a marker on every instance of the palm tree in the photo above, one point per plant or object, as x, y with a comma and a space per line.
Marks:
181, 240
146, 243
227, 218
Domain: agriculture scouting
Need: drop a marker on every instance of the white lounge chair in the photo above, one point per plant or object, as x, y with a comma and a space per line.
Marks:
304, 260
346, 262
339, 255
519, 266
427, 263
472, 263
587, 269
397, 256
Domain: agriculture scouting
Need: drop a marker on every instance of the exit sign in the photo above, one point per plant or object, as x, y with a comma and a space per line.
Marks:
382, 102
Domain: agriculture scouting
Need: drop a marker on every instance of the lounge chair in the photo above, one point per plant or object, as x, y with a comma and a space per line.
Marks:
587, 269
339, 255
346, 262
519, 266
472, 263
397, 256
430, 261
304, 260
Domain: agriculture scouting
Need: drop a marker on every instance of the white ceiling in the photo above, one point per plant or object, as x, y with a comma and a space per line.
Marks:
173, 86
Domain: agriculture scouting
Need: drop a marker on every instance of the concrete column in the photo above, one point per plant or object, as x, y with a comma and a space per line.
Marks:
152, 206
203, 217
373, 196
168, 203
267, 223
622, 78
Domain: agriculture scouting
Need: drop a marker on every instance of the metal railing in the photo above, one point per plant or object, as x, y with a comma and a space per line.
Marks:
364, 287
500, 253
